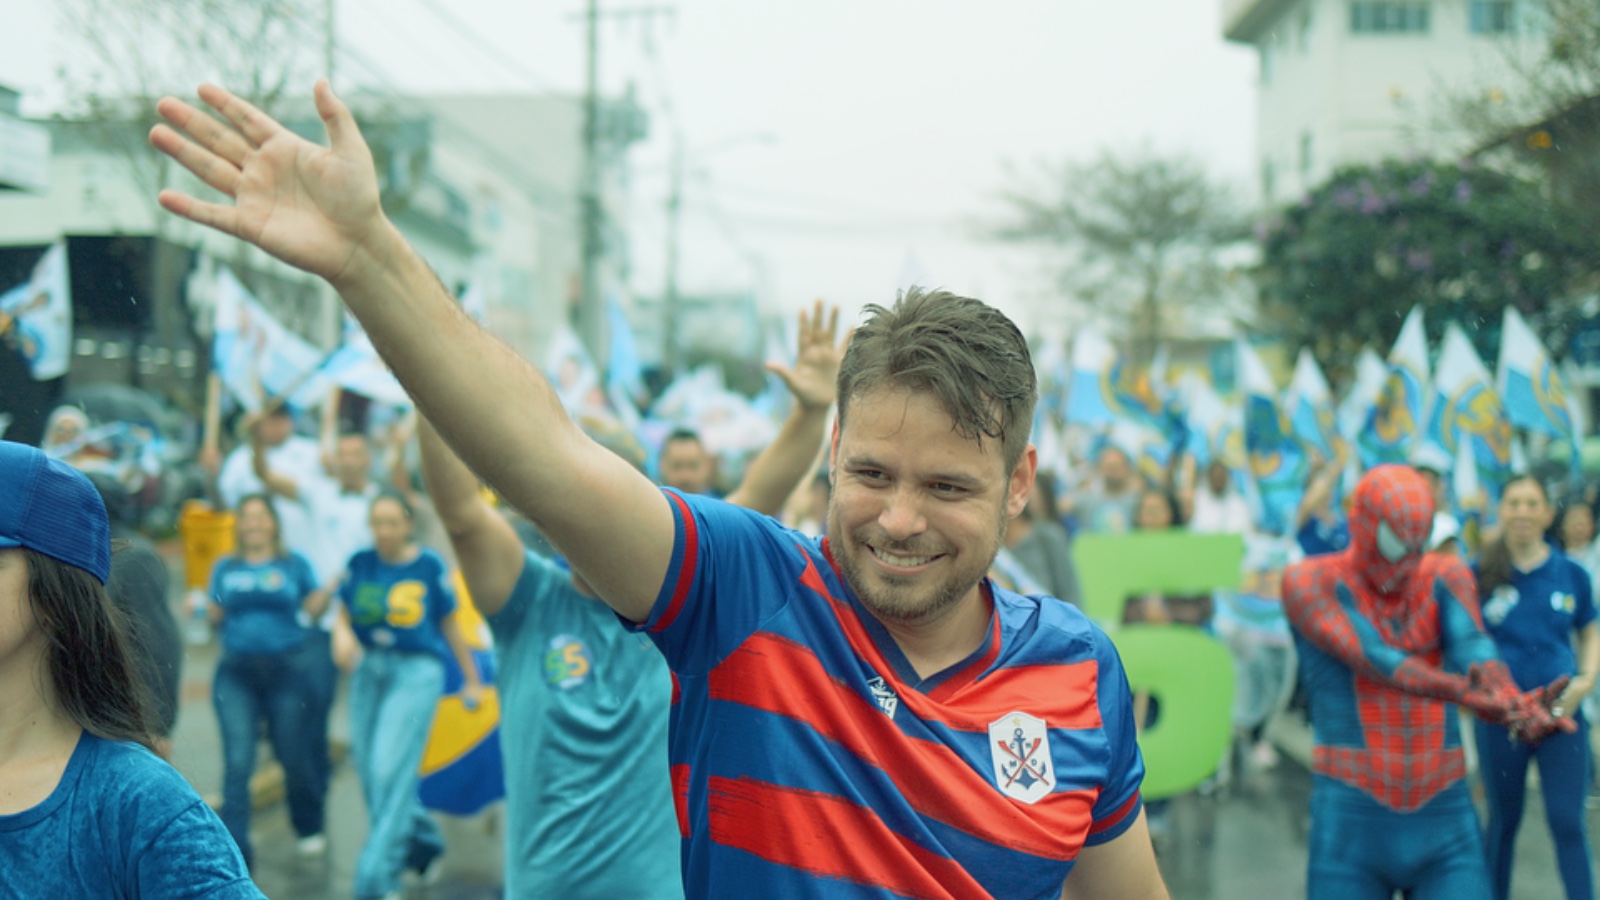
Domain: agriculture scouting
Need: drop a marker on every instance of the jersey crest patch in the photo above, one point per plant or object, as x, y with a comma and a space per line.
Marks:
884, 696
1020, 745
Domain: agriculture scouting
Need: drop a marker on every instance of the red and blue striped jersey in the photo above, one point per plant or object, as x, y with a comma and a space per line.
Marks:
809, 758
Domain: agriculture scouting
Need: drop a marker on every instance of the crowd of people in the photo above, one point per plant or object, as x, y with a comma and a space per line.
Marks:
862, 672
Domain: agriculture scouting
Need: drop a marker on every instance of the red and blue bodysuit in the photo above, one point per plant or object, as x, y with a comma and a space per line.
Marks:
1388, 638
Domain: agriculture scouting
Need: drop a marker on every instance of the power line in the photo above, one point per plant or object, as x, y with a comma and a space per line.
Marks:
466, 33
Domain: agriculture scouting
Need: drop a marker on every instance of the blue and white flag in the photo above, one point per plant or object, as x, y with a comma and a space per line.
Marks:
1467, 412
1310, 406
1363, 394
573, 374
356, 367
1106, 389
1278, 463
1216, 427
1535, 394
254, 354
36, 316
1394, 421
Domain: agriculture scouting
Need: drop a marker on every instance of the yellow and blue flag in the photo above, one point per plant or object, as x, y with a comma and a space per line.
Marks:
1394, 421
462, 767
1468, 420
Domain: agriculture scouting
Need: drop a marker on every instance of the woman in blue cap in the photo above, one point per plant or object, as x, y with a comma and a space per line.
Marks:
86, 809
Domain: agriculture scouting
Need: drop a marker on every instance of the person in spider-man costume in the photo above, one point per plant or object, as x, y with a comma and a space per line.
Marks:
1388, 638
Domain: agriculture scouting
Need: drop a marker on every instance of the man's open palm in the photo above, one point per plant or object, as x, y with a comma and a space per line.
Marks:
813, 380
311, 206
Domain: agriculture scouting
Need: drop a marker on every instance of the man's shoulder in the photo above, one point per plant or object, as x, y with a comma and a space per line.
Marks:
1070, 634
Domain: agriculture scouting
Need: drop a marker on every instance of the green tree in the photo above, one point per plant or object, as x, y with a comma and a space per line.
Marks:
1139, 233
1343, 267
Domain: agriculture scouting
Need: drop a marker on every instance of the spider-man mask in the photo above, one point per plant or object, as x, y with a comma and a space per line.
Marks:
1389, 526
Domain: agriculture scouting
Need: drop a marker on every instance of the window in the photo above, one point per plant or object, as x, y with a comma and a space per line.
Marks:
1492, 16
1305, 31
1269, 184
1389, 18
1306, 158
1269, 56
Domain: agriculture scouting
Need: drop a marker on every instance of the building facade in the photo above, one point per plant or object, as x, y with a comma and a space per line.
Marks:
1346, 82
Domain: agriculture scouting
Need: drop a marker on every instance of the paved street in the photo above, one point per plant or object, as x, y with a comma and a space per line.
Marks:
1245, 841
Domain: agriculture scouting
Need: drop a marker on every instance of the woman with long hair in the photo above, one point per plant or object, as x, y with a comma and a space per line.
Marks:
1535, 601
86, 809
260, 596
396, 598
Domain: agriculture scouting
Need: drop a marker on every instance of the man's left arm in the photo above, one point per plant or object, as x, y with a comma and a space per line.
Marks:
1123, 868
813, 381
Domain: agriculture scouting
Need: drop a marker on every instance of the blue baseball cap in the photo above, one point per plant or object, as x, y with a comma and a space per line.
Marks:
51, 508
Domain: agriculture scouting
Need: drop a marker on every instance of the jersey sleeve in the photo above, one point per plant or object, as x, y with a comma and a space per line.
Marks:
1583, 593
305, 579
528, 596
193, 856
214, 589
731, 570
1119, 803
441, 593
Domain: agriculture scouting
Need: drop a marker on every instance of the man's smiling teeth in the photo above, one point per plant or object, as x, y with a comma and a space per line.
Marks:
902, 561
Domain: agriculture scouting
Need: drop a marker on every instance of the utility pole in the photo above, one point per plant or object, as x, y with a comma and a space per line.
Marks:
589, 317
669, 304
329, 42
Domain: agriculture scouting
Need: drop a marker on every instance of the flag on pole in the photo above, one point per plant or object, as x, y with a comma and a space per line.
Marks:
1392, 424
36, 316
1363, 394
1309, 403
1467, 412
1277, 461
462, 767
254, 354
1535, 394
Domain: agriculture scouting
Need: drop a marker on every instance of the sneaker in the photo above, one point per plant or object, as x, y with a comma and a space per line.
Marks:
1263, 756
312, 845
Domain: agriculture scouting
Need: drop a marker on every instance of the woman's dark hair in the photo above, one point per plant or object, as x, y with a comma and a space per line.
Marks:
399, 499
1167, 498
89, 653
1494, 557
279, 549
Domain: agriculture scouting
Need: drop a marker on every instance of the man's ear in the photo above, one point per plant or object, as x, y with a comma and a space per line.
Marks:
1020, 486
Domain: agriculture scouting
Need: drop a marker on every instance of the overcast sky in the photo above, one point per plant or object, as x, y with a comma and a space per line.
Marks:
856, 140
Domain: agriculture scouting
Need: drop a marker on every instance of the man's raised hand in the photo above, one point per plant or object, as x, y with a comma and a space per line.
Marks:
313, 207
814, 378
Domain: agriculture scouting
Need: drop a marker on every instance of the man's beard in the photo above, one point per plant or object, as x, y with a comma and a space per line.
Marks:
913, 601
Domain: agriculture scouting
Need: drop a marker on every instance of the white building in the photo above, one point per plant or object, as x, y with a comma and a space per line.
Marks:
1345, 82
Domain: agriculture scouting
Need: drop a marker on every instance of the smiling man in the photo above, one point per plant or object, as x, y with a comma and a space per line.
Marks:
865, 716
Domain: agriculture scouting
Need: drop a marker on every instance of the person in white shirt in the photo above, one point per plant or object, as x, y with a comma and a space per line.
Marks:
297, 457
1219, 508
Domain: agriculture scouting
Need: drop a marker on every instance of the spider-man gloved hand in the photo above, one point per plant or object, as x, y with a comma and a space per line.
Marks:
1528, 715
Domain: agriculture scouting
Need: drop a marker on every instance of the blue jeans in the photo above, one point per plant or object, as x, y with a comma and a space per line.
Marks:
247, 690
1361, 850
1564, 779
322, 682
392, 700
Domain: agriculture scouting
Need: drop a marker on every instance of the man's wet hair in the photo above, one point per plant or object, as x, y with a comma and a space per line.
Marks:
963, 351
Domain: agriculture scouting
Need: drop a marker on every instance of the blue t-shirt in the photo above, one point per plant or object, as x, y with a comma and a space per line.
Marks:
1533, 617
808, 756
121, 823
584, 702
399, 607
260, 602
1319, 536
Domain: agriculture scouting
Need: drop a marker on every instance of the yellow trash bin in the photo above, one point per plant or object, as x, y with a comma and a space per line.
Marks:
207, 536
